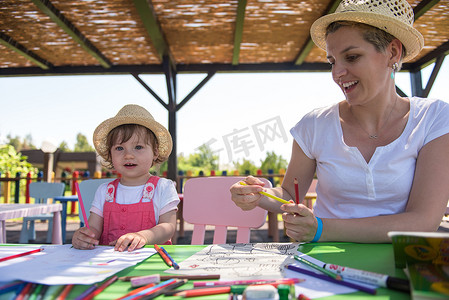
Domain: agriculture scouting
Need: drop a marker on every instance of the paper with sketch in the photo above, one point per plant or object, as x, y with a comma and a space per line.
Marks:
61, 264
240, 261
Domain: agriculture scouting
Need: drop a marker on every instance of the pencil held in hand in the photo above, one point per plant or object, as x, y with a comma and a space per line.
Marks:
269, 195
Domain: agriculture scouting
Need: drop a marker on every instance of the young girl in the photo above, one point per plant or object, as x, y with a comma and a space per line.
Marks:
138, 208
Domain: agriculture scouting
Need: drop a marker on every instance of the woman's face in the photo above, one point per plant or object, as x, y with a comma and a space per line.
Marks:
358, 68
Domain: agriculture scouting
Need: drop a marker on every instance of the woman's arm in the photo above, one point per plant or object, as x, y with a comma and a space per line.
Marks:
300, 167
425, 208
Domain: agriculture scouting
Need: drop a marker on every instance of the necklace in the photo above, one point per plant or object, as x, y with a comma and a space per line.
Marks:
375, 135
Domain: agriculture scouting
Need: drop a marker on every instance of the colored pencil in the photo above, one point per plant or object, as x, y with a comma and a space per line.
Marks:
101, 287
175, 265
204, 291
133, 292
86, 292
36, 292
318, 268
42, 292
65, 292
269, 195
164, 257
80, 199
296, 190
149, 290
11, 287
330, 279
165, 290
25, 291
20, 254
166, 277
247, 282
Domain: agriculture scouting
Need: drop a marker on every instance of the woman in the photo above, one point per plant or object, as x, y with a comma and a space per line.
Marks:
381, 160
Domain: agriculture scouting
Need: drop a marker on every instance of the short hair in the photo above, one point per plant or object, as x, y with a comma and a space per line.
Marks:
122, 134
379, 38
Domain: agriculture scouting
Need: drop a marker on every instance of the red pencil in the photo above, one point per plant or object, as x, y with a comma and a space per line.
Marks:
163, 255
296, 191
204, 291
102, 287
65, 292
80, 200
20, 254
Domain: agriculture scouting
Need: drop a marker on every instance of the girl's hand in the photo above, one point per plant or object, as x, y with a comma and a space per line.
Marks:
299, 221
132, 240
247, 196
84, 239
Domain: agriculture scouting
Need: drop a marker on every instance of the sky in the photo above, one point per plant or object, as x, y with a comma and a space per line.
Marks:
239, 116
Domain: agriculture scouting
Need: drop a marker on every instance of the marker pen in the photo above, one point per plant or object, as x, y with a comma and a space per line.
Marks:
381, 280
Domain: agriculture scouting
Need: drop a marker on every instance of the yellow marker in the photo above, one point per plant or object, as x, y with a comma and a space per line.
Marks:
269, 195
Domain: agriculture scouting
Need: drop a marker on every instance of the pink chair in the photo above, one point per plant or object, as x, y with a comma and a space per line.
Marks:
207, 201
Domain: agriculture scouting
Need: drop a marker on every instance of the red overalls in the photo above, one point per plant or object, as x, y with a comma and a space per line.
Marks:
119, 219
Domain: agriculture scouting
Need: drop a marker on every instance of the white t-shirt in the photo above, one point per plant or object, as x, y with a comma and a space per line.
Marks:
165, 197
348, 186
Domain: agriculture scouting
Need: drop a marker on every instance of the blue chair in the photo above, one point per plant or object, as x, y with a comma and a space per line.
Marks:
87, 191
41, 192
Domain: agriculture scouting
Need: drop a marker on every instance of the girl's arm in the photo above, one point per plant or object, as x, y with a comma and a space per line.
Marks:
88, 238
159, 234
425, 208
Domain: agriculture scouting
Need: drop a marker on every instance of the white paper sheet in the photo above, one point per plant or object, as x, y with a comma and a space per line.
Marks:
240, 261
259, 261
61, 264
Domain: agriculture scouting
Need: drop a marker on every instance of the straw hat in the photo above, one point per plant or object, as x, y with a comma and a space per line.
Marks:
133, 114
395, 17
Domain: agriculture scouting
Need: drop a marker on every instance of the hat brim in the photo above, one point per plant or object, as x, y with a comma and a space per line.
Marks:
165, 143
411, 38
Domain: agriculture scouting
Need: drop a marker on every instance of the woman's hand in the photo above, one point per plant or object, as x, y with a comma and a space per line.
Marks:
247, 196
299, 221
84, 239
133, 240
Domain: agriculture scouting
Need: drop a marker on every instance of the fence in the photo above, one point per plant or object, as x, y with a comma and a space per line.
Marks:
21, 188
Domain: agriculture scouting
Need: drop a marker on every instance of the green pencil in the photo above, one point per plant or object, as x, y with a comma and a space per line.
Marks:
316, 267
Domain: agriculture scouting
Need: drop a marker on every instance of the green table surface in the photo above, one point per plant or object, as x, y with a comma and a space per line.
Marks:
371, 257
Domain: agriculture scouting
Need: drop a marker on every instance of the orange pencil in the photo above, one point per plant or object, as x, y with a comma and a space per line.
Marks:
65, 292
137, 291
102, 287
163, 255
296, 191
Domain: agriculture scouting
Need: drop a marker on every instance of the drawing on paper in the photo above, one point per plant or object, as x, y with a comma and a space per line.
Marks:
242, 261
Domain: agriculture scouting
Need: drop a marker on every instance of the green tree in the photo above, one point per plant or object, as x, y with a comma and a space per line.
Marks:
21, 144
13, 161
63, 147
82, 145
274, 162
244, 166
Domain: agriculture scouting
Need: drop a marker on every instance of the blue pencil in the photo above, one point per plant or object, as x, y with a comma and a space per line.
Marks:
330, 279
86, 292
175, 265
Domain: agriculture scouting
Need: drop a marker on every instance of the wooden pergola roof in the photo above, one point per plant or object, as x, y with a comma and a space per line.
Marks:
67, 37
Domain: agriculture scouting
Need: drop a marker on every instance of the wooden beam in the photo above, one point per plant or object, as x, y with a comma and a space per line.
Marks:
304, 52
152, 26
423, 7
195, 90
433, 76
241, 8
10, 43
56, 16
153, 93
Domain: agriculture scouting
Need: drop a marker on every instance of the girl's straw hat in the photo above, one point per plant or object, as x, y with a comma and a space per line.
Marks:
133, 114
395, 17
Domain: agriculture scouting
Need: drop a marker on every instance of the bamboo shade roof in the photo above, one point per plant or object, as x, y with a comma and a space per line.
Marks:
123, 36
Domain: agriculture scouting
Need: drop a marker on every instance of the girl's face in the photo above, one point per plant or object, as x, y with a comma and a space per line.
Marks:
358, 68
133, 160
